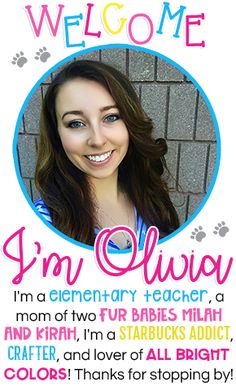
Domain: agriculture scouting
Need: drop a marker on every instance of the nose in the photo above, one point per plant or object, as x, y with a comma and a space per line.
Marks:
96, 136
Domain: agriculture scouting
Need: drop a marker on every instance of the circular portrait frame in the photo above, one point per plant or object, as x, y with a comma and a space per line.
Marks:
177, 140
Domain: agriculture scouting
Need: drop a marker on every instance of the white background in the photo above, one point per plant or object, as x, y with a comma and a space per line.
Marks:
213, 67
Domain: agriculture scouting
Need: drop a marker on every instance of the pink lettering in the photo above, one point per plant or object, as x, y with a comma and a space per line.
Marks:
216, 268
161, 274
86, 30
188, 24
58, 267
151, 28
18, 237
155, 266
100, 248
44, 14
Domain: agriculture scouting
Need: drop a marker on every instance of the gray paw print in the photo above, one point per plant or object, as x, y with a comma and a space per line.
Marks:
19, 59
42, 54
221, 229
198, 234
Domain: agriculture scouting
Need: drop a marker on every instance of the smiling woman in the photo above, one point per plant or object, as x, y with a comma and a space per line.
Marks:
94, 137
98, 164
76, 205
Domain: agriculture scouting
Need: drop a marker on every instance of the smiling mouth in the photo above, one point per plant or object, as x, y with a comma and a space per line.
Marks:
100, 157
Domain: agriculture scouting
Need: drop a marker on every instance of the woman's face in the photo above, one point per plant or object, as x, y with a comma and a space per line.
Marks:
92, 133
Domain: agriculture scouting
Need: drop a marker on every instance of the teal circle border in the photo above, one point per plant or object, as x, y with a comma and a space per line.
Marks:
131, 47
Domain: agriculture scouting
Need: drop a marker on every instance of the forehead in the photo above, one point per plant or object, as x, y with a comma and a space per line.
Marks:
82, 94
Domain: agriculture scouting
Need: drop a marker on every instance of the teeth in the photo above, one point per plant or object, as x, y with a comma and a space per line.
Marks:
99, 158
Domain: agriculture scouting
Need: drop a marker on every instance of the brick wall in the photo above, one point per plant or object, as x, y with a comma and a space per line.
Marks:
178, 111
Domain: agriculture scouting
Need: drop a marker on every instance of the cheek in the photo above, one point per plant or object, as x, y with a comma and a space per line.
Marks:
126, 139
122, 136
71, 144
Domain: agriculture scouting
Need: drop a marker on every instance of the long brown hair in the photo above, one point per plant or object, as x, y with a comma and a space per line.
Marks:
65, 189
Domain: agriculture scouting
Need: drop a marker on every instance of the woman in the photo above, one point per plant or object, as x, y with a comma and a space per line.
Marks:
98, 165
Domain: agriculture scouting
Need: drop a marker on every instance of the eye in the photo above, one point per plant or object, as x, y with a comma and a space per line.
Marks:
112, 118
75, 124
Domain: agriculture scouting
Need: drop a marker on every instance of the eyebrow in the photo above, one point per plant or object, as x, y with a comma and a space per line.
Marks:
80, 112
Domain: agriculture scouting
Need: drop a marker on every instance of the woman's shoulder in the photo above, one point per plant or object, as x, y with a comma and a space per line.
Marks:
43, 209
